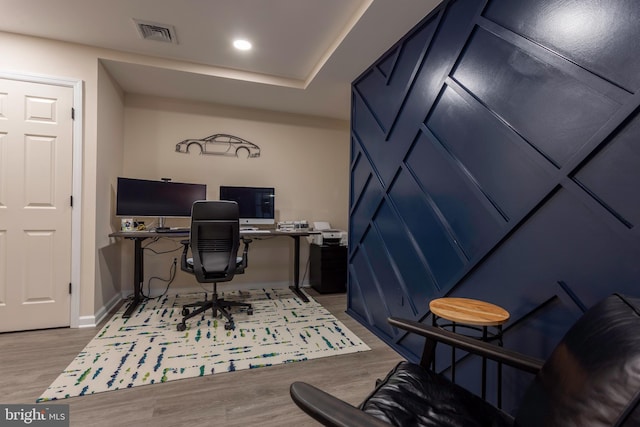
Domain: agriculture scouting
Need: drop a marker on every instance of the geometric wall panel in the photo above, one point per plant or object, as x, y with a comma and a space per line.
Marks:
433, 239
495, 154
383, 90
505, 169
577, 30
403, 258
369, 293
555, 111
438, 174
612, 176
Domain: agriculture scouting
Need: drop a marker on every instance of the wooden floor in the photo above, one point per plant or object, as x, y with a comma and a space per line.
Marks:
31, 361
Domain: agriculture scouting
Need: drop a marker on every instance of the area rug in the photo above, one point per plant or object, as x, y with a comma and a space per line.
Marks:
147, 348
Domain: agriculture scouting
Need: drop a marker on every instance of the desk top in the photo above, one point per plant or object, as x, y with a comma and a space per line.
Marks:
143, 234
469, 311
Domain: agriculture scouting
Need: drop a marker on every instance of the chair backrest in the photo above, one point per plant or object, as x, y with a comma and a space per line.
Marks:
214, 240
592, 377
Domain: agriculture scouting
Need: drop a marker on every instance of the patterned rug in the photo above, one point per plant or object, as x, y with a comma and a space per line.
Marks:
148, 349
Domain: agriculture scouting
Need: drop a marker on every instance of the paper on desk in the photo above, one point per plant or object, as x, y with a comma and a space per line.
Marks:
321, 225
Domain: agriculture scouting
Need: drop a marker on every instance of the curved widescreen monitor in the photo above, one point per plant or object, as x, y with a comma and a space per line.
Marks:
256, 204
141, 197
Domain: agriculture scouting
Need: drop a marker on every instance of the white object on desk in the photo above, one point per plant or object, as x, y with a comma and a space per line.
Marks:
318, 226
328, 236
321, 225
126, 224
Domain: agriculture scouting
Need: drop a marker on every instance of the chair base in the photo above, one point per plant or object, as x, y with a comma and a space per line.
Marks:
218, 305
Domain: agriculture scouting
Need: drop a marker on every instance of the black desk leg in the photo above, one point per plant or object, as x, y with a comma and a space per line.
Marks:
138, 278
296, 270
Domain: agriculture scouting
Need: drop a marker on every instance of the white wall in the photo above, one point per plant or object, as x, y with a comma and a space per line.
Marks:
35, 56
306, 159
110, 151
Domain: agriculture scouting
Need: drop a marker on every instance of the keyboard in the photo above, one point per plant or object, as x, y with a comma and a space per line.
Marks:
254, 231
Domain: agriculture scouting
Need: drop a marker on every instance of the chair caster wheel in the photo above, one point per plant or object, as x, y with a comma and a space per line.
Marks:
185, 311
182, 327
250, 311
229, 326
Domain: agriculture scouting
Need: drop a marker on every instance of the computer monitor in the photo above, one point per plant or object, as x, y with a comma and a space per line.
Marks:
141, 197
256, 204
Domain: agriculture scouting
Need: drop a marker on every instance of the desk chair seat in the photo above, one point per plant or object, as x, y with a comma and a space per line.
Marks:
214, 242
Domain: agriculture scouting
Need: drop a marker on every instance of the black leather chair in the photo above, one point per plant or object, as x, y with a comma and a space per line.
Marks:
214, 242
592, 378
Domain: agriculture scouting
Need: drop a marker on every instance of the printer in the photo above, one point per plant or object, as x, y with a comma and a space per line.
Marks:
328, 236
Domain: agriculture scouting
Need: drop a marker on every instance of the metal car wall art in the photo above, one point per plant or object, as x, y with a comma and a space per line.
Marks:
219, 144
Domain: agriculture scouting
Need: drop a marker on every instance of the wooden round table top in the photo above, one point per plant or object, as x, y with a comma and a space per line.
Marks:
469, 311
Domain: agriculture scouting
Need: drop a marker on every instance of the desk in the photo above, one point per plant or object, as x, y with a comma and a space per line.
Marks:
138, 269
295, 235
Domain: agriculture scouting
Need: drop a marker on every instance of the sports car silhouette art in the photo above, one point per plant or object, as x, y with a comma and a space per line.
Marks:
220, 144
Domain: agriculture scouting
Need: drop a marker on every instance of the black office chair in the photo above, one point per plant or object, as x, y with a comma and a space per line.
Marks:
592, 378
214, 242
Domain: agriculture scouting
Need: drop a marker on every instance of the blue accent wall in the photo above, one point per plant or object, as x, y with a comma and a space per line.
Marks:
495, 154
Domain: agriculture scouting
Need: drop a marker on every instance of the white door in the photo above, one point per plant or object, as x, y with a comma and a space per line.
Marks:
36, 130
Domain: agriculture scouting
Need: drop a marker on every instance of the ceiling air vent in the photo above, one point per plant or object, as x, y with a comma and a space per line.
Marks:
155, 31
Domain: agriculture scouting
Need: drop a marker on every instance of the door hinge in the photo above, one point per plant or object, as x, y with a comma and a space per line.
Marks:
73, 113
71, 200
69, 288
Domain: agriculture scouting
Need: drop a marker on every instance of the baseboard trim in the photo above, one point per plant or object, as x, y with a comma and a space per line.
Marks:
101, 314
87, 322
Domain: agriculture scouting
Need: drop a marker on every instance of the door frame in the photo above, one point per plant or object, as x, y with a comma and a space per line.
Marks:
76, 189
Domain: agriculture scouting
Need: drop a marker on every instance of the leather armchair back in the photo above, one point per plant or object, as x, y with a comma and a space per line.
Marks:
592, 378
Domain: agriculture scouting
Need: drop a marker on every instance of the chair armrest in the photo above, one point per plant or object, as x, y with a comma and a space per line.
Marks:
183, 259
245, 253
329, 410
471, 345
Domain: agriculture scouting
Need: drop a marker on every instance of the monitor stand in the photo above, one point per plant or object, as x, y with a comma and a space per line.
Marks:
161, 226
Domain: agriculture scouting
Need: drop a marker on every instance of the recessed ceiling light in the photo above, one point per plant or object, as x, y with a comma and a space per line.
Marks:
242, 44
